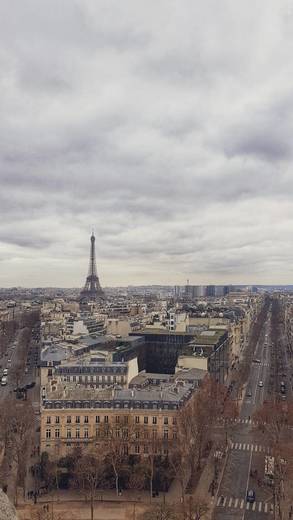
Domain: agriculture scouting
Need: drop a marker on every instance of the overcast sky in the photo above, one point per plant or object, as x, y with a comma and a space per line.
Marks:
165, 125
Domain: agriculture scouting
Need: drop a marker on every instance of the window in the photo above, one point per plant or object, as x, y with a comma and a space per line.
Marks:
68, 419
145, 420
145, 449
117, 419
106, 419
48, 434
137, 435
48, 419
137, 419
125, 419
125, 449
136, 448
166, 434
86, 419
155, 434
77, 433
174, 436
97, 432
57, 419
86, 433
97, 418
174, 420
154, 420
165, 420
57, 433
68, 433
77, 419
117, 433
146, 434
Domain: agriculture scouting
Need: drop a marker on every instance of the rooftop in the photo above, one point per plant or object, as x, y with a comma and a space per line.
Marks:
170, 395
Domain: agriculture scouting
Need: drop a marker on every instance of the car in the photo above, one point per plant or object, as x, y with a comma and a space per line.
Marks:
250, 496
4, 381
249, 393
26, 370
5, 372
260, 384
255, 360
9, 361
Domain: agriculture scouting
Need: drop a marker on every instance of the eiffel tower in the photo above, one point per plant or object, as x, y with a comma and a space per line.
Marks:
92, 289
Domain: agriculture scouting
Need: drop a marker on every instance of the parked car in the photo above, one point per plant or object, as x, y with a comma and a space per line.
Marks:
260, 384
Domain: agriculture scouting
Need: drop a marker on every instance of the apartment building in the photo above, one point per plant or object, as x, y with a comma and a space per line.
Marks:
141, 419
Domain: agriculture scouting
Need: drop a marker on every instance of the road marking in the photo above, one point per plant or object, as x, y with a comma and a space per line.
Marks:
249, 447
240, 503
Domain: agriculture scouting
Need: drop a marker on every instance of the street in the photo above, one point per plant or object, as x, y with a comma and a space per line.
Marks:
244, 468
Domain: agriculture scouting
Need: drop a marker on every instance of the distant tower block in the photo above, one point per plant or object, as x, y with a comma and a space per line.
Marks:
92, 289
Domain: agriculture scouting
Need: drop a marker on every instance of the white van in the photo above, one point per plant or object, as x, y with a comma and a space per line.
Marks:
4, 381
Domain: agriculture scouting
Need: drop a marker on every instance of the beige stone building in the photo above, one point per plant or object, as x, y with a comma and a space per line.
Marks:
139, 419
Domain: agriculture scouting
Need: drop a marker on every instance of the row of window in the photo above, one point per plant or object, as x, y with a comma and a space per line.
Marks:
123, 434
137, 449
118, 419
151, 405
94, 379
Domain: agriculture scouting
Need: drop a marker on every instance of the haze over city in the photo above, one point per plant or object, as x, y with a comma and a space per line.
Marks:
164, 126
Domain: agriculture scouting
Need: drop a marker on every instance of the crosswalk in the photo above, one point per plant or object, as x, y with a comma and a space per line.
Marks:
249, 447
236, 421
243, 421
240, 503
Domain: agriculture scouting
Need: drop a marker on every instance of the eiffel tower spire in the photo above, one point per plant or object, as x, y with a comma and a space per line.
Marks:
92, 289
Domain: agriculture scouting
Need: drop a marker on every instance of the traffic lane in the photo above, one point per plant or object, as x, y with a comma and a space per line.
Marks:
263, 492
234, 481
241, 514
248, 405
228, 514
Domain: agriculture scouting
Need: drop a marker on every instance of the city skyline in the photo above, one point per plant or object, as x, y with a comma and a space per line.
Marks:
172, 140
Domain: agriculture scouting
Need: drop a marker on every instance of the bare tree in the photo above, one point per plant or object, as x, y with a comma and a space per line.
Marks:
44, 512
275, 419
196, 510
17, 424
161, 512
89, 470
114, 441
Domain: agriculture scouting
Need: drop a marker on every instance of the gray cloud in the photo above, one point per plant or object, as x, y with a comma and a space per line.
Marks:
165, 127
